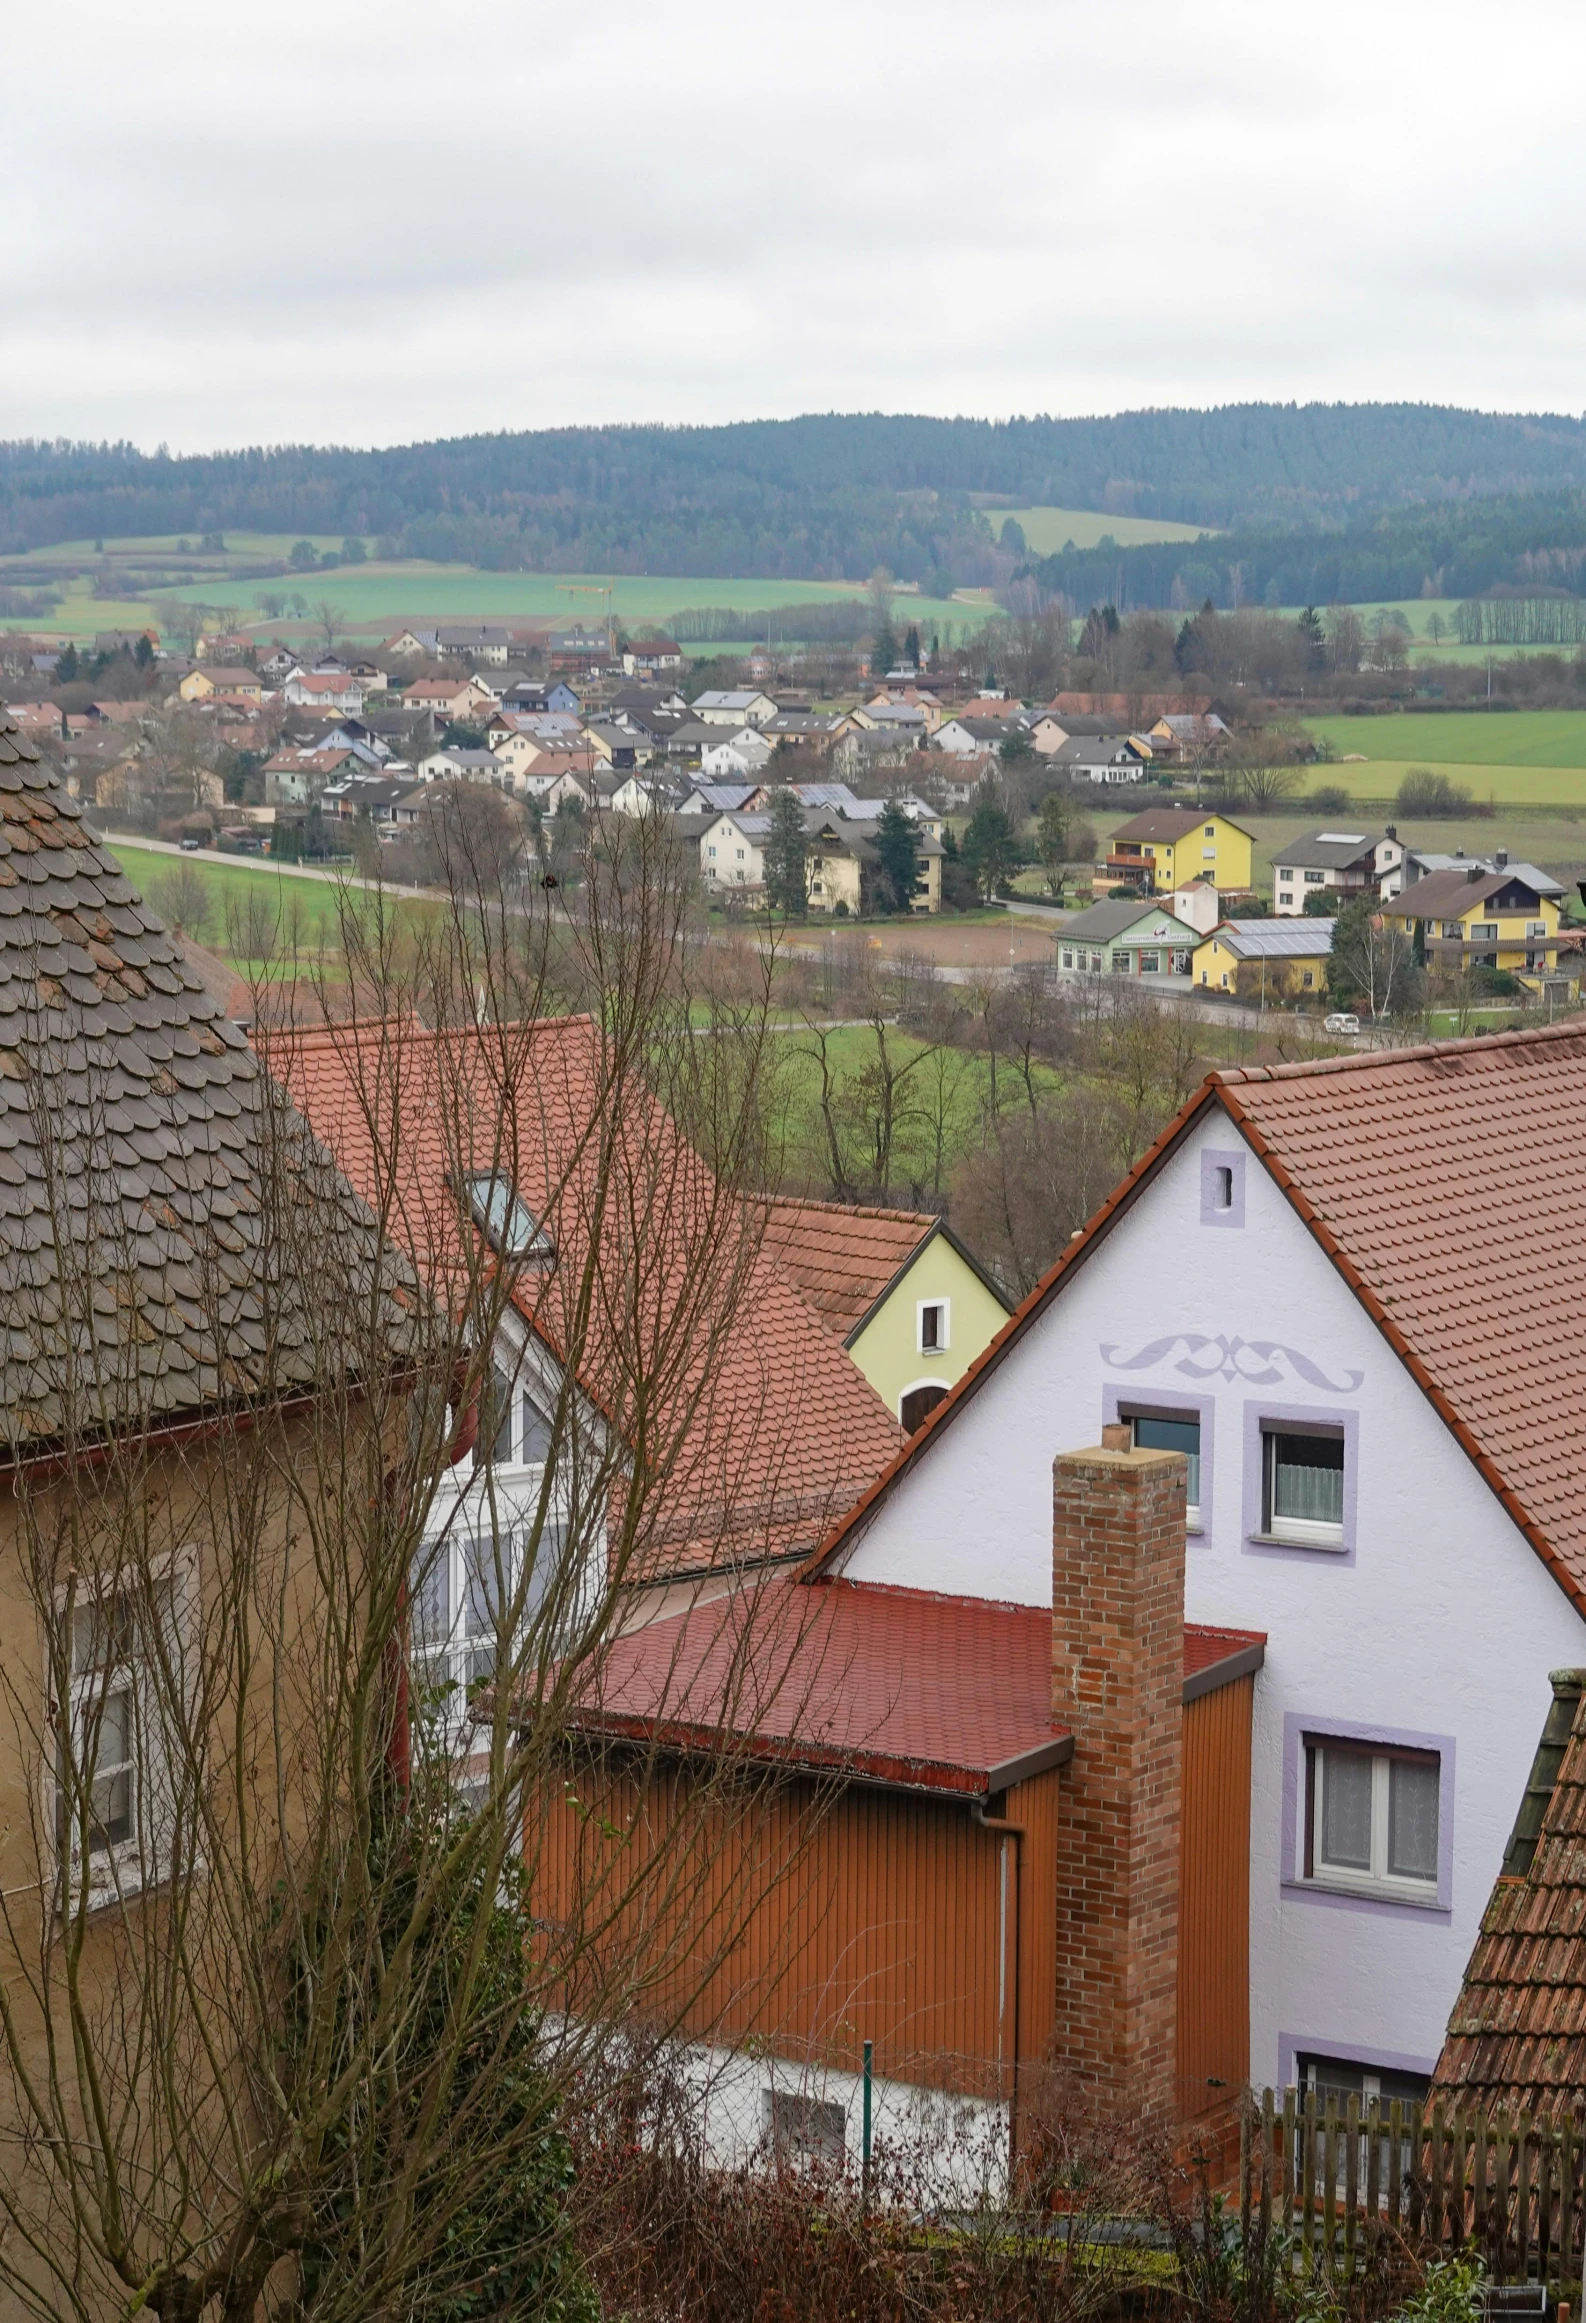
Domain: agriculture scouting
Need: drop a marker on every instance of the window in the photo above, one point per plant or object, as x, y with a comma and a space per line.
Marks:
505, 1220
1222, 1186
1302, 1496
1120, 963
1173, 1432
1536, 927
1095, 963
1484, 932
1068, 959
109, 1772
932, 1316
917, 1406
805, 2129
1343, 2078
1316, 879
1372, 1817
1308, 979
462, 1585
1450, 928
1150, 963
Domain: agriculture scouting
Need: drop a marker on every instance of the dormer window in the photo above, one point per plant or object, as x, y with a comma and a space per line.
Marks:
505, 1219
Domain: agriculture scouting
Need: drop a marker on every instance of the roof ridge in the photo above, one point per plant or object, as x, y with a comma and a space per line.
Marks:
412, 1029
1421, 1052
847, 1209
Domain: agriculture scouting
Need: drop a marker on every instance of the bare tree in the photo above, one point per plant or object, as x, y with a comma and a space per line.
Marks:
277, 2030
330, 620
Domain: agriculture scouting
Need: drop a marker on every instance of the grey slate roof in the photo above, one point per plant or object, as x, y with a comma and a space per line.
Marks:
139, 1277
1103, 921
1326, 850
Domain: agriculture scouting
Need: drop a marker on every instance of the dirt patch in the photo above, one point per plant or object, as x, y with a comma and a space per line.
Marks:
978, 945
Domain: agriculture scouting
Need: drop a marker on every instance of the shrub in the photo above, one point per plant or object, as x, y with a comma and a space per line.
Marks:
1329, 798
1424, 793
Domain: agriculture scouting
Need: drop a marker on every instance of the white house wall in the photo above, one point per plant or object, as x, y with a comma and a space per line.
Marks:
1438, 1621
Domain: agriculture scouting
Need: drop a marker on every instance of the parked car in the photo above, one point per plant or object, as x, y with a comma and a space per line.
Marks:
1341, 1020
191, 846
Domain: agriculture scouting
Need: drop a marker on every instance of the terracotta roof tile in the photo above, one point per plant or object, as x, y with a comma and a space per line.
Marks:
787, 1429
840, 1258
1517, 2033
1447, 1183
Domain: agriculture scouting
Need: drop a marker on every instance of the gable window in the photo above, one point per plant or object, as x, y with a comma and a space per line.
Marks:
1211, 830
932, 1317
1302, 1498
505, 1219
1373, 1817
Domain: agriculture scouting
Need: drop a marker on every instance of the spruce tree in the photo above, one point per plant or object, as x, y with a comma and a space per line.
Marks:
784, 854
898, 852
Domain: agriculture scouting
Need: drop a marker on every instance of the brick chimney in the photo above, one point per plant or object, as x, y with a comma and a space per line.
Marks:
1117, 1680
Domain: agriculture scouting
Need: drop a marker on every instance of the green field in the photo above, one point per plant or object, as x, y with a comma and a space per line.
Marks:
303, 911
1048, 529
376, 597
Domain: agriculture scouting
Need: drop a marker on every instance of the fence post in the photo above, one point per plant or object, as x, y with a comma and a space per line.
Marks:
1307, 2158
1351, 2185
865, 2126
1268, 2163
1395, 2161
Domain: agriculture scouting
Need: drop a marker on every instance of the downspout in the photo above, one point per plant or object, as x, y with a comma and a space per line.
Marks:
1005, 1831
399, 1747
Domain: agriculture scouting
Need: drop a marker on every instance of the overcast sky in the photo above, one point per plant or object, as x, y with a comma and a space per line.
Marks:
335, 220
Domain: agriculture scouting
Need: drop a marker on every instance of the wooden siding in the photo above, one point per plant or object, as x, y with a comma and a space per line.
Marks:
815, 1922
1214, 1899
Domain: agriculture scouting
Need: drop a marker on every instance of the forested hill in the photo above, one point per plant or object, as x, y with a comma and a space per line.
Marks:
819, 497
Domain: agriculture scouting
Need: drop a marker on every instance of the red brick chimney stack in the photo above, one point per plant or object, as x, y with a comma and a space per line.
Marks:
1117, 1680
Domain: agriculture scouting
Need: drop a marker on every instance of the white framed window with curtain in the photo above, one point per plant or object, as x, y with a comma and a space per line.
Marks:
1302, 1486
1373, 1818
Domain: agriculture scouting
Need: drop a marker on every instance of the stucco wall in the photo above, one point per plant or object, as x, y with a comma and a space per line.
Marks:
887, 1350
1437, 1620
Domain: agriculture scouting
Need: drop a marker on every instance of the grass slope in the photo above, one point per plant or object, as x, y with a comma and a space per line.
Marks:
1046, 530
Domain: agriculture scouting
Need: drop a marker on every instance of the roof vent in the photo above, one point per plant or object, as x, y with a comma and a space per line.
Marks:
1501, 859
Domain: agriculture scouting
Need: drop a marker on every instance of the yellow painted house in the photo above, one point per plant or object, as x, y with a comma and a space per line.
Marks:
1167, 847
910, 1303
1476, 916
1271, 960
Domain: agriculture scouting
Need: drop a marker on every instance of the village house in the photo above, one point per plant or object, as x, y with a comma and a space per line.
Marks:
734, 708
474, 641
463, 699
1168, 846
1473, 918
1342, 863
1368, 1487
1125, 939
1266, 960
652, 657
202, 684
909, 1301
736, 756
1099, 759
325, 690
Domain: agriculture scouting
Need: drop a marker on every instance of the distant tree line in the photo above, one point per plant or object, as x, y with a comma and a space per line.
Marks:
1521, 621
1453, 549
829, 496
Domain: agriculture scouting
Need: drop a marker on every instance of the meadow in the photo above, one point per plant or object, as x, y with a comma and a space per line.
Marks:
377, 597
1046, 530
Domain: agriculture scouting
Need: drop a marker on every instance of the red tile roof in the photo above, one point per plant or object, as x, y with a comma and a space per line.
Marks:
1517, 2034
840, 1258
1447, 1184
899, 1686
771, 1426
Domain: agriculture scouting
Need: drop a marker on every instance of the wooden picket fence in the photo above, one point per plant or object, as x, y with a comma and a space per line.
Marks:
1337, 2176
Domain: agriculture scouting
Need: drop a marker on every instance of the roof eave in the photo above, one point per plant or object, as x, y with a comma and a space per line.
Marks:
1086, 1239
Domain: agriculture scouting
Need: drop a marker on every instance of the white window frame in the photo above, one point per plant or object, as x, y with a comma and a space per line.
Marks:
943, 1343
123, 1867
1298, 1532
1348, 1878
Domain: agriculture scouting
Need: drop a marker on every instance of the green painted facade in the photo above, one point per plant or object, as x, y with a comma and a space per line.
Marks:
886, 1344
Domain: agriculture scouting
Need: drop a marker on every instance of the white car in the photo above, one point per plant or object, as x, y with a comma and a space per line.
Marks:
1340, 1021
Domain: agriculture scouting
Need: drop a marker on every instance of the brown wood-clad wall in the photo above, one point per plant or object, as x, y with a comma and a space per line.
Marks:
872, 1915
1214, 1899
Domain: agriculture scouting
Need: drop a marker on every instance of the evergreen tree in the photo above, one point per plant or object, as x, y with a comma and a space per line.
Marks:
66, 665
990, 846
883, 651
898, 851
911, 647
784, 854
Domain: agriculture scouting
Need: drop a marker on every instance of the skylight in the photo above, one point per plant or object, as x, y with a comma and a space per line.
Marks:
505, 1219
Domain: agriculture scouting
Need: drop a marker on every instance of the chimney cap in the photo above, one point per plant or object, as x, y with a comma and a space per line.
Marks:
1117, 1436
